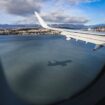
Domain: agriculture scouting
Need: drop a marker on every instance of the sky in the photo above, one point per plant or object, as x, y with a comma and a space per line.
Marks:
53, 11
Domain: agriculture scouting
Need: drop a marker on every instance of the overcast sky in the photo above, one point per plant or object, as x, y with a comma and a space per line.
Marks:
55, 11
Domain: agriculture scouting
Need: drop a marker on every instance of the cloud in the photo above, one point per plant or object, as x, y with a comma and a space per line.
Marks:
26, 8
72, 16
27, 20
64, 18
80, 1
55, 18
21, 7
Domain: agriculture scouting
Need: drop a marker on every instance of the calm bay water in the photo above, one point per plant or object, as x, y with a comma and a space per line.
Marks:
47, 69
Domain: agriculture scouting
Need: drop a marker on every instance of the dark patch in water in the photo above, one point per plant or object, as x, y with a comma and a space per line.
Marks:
7, 97
100, 102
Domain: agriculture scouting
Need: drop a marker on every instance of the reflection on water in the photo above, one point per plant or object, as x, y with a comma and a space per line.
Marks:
47, 69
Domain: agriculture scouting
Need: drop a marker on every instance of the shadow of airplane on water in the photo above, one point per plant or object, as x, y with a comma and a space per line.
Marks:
59, 63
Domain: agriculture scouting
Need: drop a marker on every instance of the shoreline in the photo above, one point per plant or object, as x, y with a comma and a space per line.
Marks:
27, 31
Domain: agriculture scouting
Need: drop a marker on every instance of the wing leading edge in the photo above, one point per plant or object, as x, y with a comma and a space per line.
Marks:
98, 40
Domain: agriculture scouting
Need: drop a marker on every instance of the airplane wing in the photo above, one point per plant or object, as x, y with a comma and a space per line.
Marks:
97, 39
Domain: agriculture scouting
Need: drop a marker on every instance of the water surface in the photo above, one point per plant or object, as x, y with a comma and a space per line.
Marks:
47, 69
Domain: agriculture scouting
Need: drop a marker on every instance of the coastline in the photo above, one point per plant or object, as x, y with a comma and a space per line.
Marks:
27, 31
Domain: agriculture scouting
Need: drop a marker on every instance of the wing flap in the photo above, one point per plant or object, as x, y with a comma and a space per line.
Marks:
98, 47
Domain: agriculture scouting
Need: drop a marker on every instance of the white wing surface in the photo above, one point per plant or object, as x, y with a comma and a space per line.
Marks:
97, 39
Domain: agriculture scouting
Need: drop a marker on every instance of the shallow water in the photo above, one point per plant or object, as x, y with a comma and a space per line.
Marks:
47, 69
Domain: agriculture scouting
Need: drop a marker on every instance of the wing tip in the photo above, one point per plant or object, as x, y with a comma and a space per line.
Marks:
41, 21
35, 12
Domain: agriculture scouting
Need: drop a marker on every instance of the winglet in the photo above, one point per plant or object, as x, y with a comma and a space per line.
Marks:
41, 21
